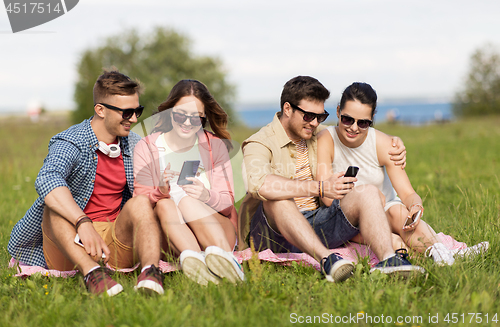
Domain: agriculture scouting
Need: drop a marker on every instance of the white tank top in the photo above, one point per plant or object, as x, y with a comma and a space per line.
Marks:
365, 157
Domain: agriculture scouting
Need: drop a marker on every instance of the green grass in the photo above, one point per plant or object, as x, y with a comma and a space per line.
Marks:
454, 167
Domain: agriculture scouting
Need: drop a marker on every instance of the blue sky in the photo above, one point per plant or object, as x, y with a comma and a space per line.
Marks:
405, 49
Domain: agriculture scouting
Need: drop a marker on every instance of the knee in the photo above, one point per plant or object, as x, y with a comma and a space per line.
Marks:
281, 205
140, 200
140, 205
281, 212
165, 205
369, 189
189, 201
368, 192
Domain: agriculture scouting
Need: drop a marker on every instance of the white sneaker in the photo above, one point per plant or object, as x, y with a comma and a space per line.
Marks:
472, 251
194, 266
223, 264
441, 255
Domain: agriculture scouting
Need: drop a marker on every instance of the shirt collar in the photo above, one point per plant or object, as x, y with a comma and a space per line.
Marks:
280, 132
94, 142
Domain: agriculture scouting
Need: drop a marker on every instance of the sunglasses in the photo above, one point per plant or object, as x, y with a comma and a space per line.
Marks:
310, 116
126, 113
194, 120
362, 123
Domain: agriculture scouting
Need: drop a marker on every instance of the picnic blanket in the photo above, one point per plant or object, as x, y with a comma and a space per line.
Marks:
351, 251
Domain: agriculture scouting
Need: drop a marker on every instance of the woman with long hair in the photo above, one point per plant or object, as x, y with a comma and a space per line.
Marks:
197, 214
355, 142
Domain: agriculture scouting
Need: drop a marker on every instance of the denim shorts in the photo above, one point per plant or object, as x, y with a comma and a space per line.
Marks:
329, 223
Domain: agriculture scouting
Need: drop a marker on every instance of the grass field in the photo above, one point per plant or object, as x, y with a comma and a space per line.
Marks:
454, 167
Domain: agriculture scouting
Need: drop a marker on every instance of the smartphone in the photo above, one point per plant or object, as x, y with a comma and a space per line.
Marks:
416, 216
351, 171
79, 242
189, 169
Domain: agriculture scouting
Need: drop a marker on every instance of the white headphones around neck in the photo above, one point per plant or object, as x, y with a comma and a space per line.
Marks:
112, 150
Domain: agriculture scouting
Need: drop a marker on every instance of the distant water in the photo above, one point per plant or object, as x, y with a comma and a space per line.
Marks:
406, 113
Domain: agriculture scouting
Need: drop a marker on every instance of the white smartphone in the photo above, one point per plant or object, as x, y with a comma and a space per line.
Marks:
416, 216
79, 242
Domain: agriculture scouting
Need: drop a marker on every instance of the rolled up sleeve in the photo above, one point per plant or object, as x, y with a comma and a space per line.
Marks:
146, 175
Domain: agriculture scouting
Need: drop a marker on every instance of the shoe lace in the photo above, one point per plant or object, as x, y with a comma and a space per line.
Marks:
402, 253
434, 251
154, 272
96, 276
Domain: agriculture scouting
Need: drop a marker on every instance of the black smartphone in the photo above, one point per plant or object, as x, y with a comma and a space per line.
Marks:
189, 169
351, 171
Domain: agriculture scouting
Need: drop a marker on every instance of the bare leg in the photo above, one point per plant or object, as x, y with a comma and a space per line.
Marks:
397, 241
363, 208
284, 216
62, 233
138, 227
176, 231
209, 227
418, 239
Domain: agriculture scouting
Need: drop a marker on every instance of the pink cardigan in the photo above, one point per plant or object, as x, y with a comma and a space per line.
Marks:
215, 158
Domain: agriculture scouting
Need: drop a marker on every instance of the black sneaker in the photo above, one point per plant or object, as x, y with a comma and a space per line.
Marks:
398, 264
98, 282
335, 268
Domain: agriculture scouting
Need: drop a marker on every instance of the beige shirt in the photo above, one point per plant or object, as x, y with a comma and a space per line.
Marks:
269, 151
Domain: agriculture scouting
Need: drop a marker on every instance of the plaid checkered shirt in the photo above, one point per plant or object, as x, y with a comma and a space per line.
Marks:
71, 162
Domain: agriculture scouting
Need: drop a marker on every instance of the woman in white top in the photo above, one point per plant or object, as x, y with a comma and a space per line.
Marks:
354, 143
198, 219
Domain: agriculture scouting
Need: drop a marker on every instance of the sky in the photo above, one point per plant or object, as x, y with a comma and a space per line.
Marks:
404, 49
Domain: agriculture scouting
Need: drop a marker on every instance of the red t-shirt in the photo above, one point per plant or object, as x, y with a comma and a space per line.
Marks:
110, 181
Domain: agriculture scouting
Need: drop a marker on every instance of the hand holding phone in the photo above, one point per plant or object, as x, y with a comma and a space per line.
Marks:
411, 222
78, 241
189, 169
351, 171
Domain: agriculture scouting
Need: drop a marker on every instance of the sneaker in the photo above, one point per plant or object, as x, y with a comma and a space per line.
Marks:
223, 264
397, 264
98, 282
193, 265
441, 255
150, 280
336, 269
472, 251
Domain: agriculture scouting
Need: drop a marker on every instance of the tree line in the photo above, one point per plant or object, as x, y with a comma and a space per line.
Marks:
161, 58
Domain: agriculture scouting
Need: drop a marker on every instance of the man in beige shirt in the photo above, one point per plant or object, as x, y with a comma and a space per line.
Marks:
282, 210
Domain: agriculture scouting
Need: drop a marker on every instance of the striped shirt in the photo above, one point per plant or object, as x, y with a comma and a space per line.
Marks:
303, 173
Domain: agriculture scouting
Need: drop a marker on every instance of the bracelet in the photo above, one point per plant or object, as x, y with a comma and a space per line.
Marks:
81, 220
321, 189
416, 204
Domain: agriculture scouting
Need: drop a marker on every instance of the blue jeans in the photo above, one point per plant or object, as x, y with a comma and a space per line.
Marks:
329, 223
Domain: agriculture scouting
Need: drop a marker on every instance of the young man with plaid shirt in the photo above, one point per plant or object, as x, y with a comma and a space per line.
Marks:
85, 189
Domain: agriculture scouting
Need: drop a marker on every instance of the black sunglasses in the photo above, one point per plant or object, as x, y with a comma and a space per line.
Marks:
126, 113
362, 123
310, 116
194, 120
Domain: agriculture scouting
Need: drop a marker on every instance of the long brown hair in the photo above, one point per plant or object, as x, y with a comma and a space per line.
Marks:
216, 116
